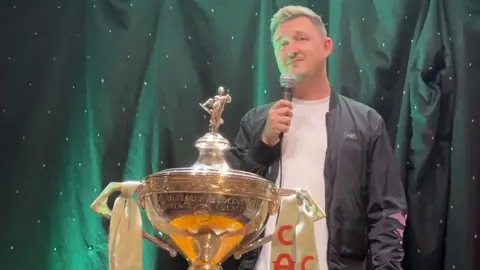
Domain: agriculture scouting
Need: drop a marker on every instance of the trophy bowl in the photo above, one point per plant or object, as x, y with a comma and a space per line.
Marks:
207, 215
206, 212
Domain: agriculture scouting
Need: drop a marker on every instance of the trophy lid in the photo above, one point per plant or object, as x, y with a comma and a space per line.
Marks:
211, 172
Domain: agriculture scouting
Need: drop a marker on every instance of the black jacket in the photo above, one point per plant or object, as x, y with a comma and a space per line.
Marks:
365, 200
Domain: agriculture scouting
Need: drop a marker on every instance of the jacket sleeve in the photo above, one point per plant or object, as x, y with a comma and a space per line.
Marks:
387, 209
248, 152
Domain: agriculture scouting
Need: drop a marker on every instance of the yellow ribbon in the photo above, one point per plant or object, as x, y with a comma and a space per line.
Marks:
293, 243
125, 238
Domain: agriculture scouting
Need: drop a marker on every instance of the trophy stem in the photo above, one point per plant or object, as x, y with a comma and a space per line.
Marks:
205, 267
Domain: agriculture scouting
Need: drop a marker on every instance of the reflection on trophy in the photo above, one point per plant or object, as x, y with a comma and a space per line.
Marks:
209, 212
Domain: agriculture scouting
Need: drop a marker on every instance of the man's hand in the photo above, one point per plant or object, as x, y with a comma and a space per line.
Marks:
278, 121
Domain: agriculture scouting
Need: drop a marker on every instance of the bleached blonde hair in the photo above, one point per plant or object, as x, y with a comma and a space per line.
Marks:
291, 12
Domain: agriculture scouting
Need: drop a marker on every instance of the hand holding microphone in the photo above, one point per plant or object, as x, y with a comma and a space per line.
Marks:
280, 114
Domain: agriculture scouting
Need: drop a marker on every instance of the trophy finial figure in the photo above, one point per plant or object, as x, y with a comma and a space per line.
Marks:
214, 106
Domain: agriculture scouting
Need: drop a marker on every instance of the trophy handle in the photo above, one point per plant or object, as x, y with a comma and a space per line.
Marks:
101, 207
302, 196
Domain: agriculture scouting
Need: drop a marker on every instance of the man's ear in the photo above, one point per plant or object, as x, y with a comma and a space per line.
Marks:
328, 45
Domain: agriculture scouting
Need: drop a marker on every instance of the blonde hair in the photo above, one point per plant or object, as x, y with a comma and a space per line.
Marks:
291, 12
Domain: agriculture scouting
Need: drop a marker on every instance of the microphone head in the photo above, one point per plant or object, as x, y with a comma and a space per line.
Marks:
288, 80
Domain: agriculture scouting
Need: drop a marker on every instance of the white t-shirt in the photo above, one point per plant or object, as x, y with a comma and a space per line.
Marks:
303, 158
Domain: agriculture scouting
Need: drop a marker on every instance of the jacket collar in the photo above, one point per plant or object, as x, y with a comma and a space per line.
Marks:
333, 101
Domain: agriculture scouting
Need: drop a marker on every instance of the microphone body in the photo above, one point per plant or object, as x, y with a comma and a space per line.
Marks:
287, 93
288, 82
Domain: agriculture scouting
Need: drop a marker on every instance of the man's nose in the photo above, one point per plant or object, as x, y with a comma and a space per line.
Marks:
292, 54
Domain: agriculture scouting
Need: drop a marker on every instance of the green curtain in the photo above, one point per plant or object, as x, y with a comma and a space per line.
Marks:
98, 91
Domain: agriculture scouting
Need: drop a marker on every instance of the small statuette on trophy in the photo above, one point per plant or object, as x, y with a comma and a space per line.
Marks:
214, 106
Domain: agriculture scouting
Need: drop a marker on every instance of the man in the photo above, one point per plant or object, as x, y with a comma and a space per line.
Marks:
336, 148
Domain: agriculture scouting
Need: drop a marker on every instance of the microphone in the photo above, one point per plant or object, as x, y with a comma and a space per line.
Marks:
288, 82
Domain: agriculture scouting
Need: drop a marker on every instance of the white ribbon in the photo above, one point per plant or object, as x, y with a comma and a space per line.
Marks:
293, 243
125, 238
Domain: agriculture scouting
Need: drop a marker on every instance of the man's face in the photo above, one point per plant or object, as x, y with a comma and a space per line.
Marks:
300, 47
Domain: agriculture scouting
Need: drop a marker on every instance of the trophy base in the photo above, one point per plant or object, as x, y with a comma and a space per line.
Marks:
205, 267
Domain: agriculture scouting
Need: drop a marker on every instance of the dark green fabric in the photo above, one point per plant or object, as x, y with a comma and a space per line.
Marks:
98, 91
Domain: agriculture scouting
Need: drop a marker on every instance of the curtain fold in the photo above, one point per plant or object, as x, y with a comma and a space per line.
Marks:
101, 91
